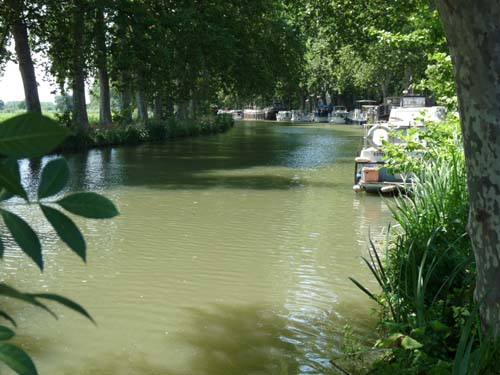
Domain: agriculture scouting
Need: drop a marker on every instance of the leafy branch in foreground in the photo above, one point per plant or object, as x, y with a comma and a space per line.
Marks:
33, 135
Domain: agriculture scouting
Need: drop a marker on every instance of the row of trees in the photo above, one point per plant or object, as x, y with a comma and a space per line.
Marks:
156, 53
367, 48
161, 53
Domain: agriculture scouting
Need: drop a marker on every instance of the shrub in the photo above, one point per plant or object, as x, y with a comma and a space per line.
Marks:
156, 131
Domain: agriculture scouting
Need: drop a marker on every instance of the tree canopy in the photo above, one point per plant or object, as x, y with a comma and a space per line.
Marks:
184, 56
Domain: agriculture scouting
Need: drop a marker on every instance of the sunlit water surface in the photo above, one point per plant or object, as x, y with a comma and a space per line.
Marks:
231, 256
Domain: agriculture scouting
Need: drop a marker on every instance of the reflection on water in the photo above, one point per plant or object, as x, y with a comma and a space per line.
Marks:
231, 256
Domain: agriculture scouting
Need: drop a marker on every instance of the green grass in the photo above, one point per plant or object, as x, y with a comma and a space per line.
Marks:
7, 115
93, 116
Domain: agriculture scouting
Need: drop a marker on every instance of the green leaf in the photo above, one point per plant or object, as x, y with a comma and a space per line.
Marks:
55, 176
30, 135
13, 165
17, 359
11, 182
1, 248
24, 236
66, 230
90, 205
6, 316
65, 302
6, 333
8, 291
408, 343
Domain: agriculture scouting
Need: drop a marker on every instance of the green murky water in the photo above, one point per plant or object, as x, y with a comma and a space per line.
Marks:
231, 256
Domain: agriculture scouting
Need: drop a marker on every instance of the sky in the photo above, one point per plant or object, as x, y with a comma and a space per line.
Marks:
11, 85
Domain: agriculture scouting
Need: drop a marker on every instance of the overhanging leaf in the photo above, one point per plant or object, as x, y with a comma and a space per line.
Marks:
90, 205
66, 230
65, 302
55, 176
8, 291
13, 165
363, 289
6, 333
30, 135
17, 359
24, 236
6, 316
10, 182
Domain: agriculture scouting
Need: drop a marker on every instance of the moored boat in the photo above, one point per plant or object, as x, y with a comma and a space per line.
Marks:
298, 116
253, 114
364, 111
284, 116
321, 113
338, 115
370, 174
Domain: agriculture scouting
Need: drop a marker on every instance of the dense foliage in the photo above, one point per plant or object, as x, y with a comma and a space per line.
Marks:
180, 58
430, 322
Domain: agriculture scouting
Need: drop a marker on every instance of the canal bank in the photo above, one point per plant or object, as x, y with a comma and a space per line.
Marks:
232, 255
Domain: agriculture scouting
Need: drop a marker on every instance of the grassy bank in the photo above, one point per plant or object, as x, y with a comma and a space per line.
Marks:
136, 133
428, 322
152, 131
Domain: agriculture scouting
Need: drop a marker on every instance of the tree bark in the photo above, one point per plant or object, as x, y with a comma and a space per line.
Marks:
141, 98
142, 105
473, 32
126, 100
23, 52
158, 107
80, 118
104, 91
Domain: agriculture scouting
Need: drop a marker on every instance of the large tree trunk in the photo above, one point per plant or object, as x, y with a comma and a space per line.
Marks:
126, 100
142, 104
158, 107
23, 52
104, 91
140, 96
473, 32
80, 118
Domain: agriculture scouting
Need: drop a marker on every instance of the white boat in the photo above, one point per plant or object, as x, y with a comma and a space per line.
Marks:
254, 114
237, 114
370, 174
338, 115
364, 111
284, 116
298, 116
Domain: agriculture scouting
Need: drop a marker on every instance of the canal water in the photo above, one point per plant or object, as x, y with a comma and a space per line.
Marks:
231, 256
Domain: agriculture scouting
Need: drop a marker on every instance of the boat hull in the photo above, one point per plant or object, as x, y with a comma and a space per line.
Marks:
374, 178
337, 120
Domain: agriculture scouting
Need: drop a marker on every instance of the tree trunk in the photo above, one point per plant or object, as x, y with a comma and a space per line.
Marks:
125, 98
104, 91
182, 110
473, 33
158, 107
142, 105
23, 51
140, 96
80, 118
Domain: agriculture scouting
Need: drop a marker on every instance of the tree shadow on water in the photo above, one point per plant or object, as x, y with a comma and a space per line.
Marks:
239, 340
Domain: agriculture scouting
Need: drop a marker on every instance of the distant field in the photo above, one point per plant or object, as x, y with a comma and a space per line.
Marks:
6, 116
93, 117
